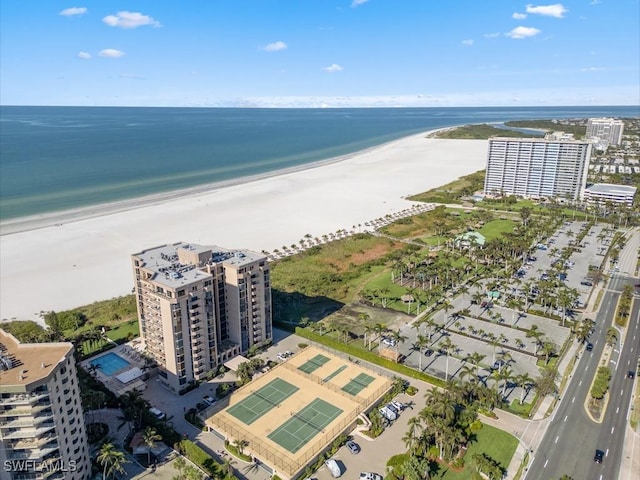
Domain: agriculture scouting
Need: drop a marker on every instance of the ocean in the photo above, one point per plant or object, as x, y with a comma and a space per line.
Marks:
61, 158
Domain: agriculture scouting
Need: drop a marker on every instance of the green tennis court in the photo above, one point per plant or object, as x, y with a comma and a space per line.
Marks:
356, 385
329, 377
313, 363
261, 401
293, 434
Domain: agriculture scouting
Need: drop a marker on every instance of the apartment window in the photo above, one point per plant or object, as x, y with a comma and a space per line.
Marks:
181, 293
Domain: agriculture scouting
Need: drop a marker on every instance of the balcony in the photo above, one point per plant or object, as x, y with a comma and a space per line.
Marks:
33, 442
23, 399
27, 422
36, 455
44, 428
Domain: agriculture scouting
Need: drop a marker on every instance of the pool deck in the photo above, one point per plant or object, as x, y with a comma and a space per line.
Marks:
129, 353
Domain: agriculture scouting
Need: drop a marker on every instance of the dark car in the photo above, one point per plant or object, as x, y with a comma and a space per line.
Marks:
598, 456
353, 447
428, 352
589, 347
631, 374
587, 283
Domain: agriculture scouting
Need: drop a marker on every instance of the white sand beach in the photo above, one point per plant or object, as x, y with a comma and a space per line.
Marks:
70, 260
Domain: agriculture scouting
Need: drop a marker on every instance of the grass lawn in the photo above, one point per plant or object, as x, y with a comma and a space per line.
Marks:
491, 441
495, 228
120, 332
522, 410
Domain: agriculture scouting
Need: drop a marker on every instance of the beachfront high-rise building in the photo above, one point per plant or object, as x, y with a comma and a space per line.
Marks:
42, 430
606, 131
553, 167
200, 306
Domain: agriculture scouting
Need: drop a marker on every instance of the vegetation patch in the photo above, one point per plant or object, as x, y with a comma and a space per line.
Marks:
451, 192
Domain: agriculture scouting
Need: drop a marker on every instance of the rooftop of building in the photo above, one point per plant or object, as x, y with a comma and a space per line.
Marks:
24, 363
612, 188
171, 271
554, 137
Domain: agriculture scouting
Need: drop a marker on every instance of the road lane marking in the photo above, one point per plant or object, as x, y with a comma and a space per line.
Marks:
580, 383
567, 416
545, 463
607, 453
612, 429
617, 410
621, 392
586, 368
573, 399
557, 438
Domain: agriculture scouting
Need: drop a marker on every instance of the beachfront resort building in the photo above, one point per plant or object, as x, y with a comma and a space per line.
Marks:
603, 193
42, 429
605, 131
200, 306
552, 167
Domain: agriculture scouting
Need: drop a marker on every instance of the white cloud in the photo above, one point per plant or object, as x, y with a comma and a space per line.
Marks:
126, 19
111, 53
357, 3
557, 10
519, 16
334, 67
523, 32
69, 12
84, 55
275, 46
467, 43
491, 35
592, 69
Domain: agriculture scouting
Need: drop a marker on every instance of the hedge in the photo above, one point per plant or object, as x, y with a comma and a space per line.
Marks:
201, 458
368, 356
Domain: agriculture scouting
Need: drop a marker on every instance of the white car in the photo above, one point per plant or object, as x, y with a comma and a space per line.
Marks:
390, 342
209, 400
370, 476
159, 414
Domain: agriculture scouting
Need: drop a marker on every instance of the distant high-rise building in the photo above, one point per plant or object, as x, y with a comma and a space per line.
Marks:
42, 430
199, 307
606, 131
603, 193
553, 167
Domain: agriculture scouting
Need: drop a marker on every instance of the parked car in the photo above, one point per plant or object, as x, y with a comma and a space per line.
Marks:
159, 414
399, 405
587, 283
333, 467
428, 352
389, 342
209, 400
353, 447
370, 476
388, 414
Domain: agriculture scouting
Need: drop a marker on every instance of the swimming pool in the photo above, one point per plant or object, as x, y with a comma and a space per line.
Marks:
110, 363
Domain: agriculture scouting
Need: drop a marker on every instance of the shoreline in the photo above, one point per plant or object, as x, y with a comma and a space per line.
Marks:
54, 265
58, 218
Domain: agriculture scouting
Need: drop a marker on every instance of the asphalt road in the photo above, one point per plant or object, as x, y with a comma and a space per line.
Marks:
572, 438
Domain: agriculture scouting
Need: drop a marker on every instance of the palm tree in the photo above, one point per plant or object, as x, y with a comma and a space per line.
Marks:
379, 329
111, 459
421, 342
446, 306
397, 338
448, 346
524, 381
227, 465
476, 358
240, 443
150, 437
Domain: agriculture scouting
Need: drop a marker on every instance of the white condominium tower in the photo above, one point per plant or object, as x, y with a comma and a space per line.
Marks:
42, 430
553, 167
605, 130
200, 306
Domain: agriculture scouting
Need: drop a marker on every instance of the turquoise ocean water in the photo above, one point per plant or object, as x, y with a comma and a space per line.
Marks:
60, 158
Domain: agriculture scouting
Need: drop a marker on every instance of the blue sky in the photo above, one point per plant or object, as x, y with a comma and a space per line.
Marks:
319, 52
